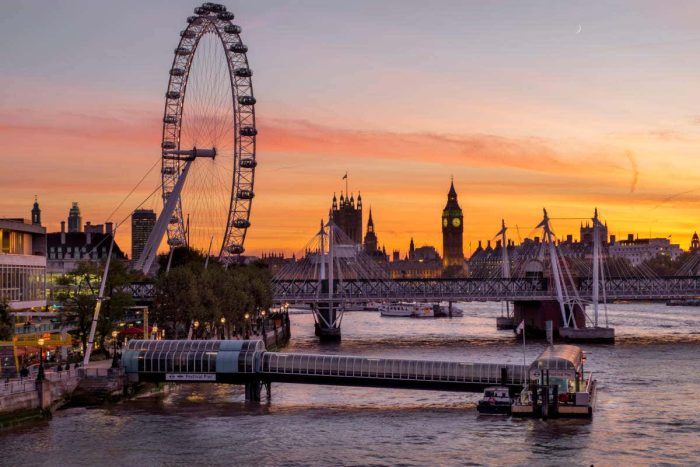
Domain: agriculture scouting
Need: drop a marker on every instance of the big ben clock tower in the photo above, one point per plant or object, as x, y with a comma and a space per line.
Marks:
452, 231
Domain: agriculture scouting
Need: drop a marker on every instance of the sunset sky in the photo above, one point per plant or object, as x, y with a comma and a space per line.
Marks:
524, 111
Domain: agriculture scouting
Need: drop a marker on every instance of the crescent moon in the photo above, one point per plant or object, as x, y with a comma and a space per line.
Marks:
579, 29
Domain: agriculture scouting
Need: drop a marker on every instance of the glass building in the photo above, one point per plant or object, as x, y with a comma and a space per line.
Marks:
22, 264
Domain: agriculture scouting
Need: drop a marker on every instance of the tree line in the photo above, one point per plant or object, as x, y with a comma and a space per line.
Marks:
207, 297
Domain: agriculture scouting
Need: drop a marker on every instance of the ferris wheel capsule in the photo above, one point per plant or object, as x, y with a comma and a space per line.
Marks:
248, 131
243, 72
239, 48
235, 249
248, 163
246, 100
225, 16
232, 29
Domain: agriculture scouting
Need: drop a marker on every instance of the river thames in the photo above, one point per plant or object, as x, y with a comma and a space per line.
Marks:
647, 413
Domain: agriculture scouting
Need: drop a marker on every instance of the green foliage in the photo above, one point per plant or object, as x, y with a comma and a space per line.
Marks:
79, 297
7, 326
189, 293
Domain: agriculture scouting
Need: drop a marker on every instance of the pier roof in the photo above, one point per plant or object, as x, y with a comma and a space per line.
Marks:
559, 357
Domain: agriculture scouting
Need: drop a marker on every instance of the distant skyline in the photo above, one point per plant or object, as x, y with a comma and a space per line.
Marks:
506, 96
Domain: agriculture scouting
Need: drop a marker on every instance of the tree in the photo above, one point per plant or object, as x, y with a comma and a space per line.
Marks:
7, 326
177, 299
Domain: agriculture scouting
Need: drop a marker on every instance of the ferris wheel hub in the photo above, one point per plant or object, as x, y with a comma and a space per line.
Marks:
189, 154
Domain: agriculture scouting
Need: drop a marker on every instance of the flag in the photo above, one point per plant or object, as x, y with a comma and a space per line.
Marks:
520, 328
345, 176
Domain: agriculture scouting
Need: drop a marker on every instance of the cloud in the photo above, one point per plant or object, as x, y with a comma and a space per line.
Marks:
466, 150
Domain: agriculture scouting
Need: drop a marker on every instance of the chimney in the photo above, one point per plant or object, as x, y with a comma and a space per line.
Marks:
63, 232
109, 227
87, 226
630, 237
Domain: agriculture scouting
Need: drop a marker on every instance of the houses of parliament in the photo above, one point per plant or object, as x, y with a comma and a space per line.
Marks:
425, 261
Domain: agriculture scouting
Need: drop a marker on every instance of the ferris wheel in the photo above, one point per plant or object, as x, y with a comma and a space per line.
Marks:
208, 146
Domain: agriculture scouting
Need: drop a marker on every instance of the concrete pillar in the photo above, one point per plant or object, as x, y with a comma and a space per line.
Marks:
43, 388
325, 329
252, 391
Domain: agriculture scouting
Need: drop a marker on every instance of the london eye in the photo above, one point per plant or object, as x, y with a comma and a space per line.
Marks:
209, 135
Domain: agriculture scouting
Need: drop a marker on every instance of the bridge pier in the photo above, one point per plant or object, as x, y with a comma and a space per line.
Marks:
327, 325
253, 390
537, 313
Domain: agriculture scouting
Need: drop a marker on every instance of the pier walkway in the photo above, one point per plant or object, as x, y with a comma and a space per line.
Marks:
247, 362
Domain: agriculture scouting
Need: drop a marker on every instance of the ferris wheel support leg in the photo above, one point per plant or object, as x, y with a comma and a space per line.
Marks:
150, 251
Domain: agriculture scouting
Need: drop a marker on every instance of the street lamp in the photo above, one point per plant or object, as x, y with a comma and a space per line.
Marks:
41, 376
115, 362
154, 331
245, 323
196, 326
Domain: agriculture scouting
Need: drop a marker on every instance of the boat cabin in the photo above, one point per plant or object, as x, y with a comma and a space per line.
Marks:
561, 366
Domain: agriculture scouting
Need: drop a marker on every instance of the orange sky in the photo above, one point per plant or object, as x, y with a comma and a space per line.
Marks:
523, 112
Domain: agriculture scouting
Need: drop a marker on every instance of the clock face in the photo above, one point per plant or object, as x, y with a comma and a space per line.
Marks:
456, 222
444, 221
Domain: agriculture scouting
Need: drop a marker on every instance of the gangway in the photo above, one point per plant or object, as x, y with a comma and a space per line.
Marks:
248, 363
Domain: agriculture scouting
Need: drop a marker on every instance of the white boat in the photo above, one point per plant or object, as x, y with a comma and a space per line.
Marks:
405, 310
417, 310
496, 400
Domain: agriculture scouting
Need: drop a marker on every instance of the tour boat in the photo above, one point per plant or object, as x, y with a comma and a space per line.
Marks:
400, 310
417, 310
496, 400
372, 306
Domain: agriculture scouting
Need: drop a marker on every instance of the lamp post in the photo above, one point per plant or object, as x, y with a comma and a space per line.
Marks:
245, 323
223, 327
41, 376
196, 326
154, 331
115, 362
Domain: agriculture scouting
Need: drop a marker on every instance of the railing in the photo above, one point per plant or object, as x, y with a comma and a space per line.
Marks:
100, 372
34, 329
16, 386
391, 369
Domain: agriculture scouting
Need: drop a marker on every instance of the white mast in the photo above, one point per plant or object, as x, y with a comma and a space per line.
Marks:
98, 305
505, 266
596, 266
556, 275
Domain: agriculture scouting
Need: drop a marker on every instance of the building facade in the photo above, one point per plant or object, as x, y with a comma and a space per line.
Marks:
452, 232
66, 250
75, 221
348, 216
639, 250
22, 264
142, 223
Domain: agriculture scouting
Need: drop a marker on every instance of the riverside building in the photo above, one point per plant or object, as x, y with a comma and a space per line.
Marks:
23, 262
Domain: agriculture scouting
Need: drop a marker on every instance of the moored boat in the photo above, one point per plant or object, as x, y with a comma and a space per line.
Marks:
496, 401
